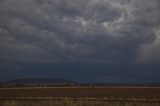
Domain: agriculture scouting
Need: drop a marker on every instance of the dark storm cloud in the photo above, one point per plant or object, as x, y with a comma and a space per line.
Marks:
90, 31
63, 30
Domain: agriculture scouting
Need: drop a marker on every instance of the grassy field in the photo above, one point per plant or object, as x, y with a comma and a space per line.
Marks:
74, 103
80, 96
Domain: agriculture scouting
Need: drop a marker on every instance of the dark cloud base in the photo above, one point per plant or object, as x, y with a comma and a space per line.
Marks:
87, 72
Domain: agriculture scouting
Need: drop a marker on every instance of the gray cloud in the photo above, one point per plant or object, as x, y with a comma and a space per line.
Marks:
94, 31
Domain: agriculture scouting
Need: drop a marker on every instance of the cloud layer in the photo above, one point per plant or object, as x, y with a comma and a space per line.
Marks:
67, 30
94, 31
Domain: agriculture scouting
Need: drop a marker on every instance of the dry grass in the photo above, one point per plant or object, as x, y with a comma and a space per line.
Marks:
74, 103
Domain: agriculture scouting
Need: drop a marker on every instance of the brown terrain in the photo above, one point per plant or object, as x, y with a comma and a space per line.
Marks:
76, 92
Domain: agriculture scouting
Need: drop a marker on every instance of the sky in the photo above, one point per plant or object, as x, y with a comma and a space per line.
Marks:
111, 41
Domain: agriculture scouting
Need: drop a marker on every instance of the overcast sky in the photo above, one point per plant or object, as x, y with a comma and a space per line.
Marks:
113, 41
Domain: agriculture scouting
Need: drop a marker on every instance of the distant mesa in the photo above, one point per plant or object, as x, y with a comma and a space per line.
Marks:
38, 83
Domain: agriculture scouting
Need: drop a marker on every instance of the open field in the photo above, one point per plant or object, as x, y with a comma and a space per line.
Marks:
80, 96
148, 92
74, 103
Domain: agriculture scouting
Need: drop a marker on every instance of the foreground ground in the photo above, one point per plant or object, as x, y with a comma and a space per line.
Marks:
74, 103
80, 96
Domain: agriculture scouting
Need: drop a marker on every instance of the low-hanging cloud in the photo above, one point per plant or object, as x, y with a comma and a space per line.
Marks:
50, 31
